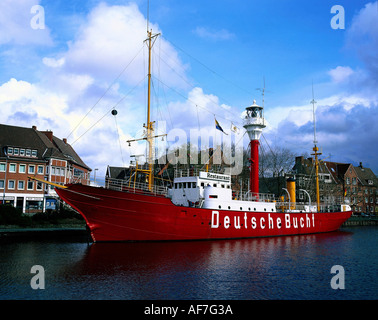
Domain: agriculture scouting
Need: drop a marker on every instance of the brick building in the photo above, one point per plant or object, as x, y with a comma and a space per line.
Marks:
338, 182
29, 152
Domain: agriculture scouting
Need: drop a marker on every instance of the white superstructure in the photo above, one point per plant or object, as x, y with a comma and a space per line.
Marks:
213, 191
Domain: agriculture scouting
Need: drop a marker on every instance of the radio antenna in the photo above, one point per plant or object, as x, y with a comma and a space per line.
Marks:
313, 113
148, 13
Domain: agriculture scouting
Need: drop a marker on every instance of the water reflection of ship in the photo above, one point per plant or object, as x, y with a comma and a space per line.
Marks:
197, 260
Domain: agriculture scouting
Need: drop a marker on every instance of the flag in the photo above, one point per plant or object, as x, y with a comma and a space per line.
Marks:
234, 128
217, 126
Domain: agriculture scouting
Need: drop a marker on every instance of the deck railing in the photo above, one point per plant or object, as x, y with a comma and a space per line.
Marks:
135, 187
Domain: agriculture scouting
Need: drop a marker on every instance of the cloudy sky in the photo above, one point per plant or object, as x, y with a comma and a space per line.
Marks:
65, 64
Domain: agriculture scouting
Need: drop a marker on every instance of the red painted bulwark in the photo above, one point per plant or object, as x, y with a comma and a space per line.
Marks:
123, 216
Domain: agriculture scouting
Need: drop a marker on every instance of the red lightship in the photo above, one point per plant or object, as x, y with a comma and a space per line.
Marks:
200, 204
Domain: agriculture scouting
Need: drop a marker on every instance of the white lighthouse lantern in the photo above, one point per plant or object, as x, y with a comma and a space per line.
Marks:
254, 121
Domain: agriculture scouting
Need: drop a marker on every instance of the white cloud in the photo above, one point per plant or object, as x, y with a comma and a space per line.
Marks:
340, 73
53, 63
214, 35
16, 24
111, 39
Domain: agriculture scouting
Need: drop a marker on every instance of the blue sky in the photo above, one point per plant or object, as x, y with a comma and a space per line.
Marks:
213, 54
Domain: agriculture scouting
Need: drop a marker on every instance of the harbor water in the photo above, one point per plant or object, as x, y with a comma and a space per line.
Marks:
293, 267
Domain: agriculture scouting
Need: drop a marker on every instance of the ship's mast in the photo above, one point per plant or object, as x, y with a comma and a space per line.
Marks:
151, 38
150, 41
316, 154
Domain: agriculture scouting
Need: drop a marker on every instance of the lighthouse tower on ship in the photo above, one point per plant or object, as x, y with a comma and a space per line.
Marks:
254, 122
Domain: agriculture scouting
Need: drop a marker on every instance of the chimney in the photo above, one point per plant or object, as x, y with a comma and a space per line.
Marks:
34, 127
65, 140
48, 134
361, 165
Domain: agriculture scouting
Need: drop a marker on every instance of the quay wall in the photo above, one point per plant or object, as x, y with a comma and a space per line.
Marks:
361, 221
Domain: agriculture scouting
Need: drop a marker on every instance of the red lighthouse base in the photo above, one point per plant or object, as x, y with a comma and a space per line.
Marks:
254, 168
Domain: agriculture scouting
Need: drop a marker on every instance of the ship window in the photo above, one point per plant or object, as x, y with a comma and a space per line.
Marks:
180, 185
194, 185
264, 209
229, 207
202, 184
189, 185
241, 208
219, 207
214, 185
249, 209
213, 196
254, 209
222, 185
184, 185
228, 187
175, 185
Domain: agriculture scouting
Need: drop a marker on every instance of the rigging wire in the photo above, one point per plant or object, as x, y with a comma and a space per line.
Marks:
194, 103
192, 86
106, 91
209, 69
114, 113
107, 112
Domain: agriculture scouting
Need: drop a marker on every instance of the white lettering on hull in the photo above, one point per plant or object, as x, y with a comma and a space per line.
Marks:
291, 221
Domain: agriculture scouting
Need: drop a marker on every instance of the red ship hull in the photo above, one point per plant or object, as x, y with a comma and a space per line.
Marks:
125, 216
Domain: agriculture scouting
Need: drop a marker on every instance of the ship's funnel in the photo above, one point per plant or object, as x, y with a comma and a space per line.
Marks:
290, 186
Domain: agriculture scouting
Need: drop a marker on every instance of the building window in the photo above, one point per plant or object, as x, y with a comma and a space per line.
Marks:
2, 167
40, 169
1, 184
39, 186
22, 152
30, 185
16, 151
34, 153
11, 184
12, 167
348, 180
21, 185
31, 169
22, 168
10, 150
28, 152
